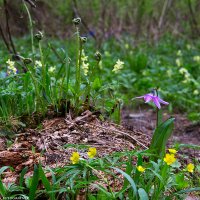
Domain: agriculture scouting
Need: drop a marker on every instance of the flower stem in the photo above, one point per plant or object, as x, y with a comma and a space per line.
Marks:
78, 69
31, 28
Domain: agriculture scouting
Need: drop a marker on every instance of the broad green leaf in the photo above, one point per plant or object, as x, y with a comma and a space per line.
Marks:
46, 182
34, 183
4, 168
2, 188
127, 176
96, 85
142, 194
161, 136
23, 172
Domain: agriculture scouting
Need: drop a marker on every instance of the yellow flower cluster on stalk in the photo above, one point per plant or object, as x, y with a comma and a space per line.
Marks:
76, 157
196, 59
11, 67
118, 66
178, 62
179, 53
85, 64
186, 74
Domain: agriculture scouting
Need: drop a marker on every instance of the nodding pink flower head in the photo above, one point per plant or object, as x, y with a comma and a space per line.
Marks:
154, 98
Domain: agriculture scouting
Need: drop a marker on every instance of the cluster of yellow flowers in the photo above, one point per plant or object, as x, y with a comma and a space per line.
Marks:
76, 157
196, 58
170, 159
186, 74
85, 64
118, 66
179, 53
11, 67
179, 62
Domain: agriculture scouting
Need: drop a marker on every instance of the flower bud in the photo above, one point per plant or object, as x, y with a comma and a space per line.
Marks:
27, 61
97, 56
16, 57
39, 35
83, 39
76, 21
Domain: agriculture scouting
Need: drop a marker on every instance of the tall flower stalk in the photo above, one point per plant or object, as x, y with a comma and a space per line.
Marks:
76, 22
31, 28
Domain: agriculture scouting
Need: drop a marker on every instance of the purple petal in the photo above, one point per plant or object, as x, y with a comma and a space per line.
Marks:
148, 98
156, 102
139, 97
163, 102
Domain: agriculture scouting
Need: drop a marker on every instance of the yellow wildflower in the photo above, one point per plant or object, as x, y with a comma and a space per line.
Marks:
140, 168
190, 167
169, 159
92, 152
118, 66
52, 69
179, 53
188, 46
11, 67
75, 157
85, 64
85, 67
107, 53
172, 151
178, 62
195, 92
127, 46
196, 58
169, 72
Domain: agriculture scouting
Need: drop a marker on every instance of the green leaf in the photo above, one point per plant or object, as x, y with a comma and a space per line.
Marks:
159, 116
142, 194
21, 179
127, 176
161, 136
2, 189
103, 190
34, 183
96, 85
189, 190
4, 168
46, 182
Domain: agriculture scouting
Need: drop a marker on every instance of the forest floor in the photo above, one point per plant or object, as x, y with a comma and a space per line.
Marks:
185, 132
56, 139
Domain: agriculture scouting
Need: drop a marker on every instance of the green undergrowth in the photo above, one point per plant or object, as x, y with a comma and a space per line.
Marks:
170, 65
121, 175
50, 78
